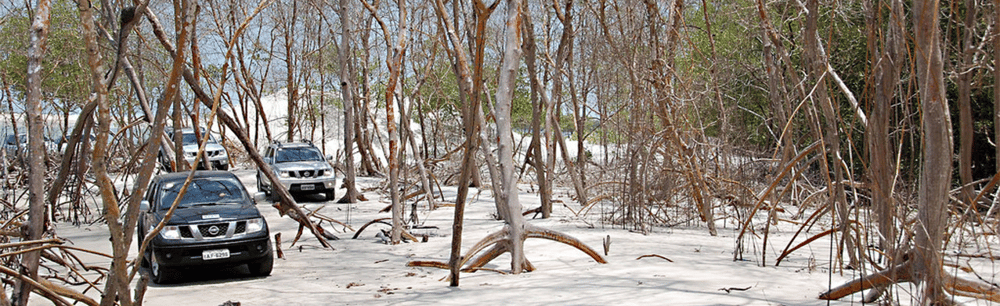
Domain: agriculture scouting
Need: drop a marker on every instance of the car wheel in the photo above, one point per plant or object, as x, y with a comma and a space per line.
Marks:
260, 187
143, 261
330, 195
223, 167
161, 274
262, 267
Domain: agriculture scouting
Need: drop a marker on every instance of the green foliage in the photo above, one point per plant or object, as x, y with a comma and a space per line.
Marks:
65, 74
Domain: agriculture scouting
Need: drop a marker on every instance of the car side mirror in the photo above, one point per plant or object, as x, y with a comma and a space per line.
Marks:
144, 205
329, 158
259, 196
268, 160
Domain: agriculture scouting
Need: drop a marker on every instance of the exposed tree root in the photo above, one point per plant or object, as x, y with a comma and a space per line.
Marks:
963, 287
497, 243
379, 220
406, 234
903, 273
811, 239
428, 264
537, 232
41, 288
897, 274
653, 255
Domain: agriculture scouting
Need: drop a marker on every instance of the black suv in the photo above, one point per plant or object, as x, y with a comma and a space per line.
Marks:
216, 223
300, 167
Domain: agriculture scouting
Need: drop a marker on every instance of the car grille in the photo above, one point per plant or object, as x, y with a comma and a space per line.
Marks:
213, 230
306, 173
186, 232
214, 153
205, 231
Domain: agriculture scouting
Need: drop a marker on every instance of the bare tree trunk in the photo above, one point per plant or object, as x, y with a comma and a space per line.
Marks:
816, 62
36, 149
965, 71
537, 111
881, 158
395, 65
996, 81
935, 174
290, 85
462, 71
347, 93
505, 145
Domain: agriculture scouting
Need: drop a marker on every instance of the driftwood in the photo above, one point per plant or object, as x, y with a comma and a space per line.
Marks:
653, 255
730, 289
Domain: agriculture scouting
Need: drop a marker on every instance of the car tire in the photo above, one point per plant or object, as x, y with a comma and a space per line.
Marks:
260, 187
143, 261
223, 167
262, 267
160, 274
330, 195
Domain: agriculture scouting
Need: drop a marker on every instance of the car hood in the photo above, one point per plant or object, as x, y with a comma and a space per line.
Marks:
212, 213
302, 165
208, 147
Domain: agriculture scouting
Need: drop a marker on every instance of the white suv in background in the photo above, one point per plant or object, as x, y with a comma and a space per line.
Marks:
300, 167
215, 154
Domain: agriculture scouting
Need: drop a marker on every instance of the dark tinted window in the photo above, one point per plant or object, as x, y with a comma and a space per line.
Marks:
202, 191
297, 154
190, 139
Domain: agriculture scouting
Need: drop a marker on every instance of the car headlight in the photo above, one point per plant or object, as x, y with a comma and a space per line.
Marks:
255, 225
328, 173
284, 174
171, 232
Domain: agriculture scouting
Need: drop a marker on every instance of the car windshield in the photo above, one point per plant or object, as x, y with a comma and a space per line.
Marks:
190, 139
202, 191
285, 155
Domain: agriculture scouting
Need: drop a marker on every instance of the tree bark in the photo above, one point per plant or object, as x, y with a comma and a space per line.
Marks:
395, 63
935, 174
505, 144
347, 94
996, 82
36, 149
881, 158
537, 111
965, 71
291, 87
816, 62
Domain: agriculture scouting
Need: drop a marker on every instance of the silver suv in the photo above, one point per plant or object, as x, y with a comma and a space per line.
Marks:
215, 154
301, 168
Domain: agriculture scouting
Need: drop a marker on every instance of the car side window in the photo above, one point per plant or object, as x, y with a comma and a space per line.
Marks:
150, 193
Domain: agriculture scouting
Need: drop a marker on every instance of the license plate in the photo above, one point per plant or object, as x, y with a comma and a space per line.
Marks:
214, 254
307, 187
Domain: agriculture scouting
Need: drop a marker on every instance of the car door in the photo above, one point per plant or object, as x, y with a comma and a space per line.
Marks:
144, 215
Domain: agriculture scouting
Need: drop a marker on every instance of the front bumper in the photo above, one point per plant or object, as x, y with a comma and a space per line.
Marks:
190, 255
319, 184
217, 162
